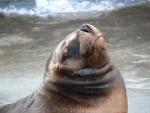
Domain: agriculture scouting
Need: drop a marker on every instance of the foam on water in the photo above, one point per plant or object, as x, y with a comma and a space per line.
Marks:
48, 7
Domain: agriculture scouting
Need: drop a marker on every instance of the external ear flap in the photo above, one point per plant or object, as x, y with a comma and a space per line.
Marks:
101, 44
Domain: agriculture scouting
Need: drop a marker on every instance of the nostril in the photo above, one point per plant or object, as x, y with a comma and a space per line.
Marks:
85, 28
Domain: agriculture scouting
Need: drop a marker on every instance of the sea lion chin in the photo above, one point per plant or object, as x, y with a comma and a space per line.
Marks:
79, 78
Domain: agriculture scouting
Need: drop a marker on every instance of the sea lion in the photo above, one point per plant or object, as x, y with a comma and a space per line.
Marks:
79, 78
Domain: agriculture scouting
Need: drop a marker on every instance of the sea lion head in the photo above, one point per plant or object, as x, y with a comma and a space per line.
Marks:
83, 48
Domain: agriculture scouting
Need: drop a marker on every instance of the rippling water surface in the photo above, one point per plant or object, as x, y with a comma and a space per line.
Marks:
27, 40
48, 7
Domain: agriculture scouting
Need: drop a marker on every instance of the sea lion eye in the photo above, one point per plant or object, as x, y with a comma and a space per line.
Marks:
65, 55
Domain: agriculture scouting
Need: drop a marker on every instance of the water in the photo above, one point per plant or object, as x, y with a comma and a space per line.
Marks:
27, 38
48, 7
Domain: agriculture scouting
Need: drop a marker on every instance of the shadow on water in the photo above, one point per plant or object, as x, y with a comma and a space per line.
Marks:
26, 42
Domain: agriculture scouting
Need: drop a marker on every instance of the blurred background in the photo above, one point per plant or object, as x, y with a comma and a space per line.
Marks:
30, 29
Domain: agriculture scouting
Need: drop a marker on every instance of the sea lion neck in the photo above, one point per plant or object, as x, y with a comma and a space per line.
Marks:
95, 86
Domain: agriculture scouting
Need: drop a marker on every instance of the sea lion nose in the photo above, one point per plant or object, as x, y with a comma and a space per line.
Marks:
85, 28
